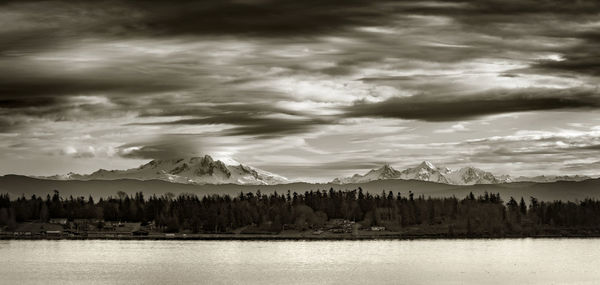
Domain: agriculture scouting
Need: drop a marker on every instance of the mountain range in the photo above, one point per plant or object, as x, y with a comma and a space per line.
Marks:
206, 170
426, 171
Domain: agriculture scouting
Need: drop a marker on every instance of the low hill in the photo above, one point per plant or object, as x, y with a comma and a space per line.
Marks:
16, 186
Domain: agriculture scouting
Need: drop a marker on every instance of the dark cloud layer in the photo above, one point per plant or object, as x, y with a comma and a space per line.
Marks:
462, 107
16, 102
163, 147
257, 17
27, 86
260, 120
273, 17
253, 126
212, 17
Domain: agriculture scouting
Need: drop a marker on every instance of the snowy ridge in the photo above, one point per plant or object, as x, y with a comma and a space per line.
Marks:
427, 171
385, 172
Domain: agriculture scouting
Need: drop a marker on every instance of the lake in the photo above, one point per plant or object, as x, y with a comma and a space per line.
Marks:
499, 261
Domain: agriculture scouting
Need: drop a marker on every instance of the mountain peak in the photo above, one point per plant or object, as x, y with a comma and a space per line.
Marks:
427, 164
387, 167
387, 171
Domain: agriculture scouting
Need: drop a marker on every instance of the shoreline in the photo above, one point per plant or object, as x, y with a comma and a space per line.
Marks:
250, 237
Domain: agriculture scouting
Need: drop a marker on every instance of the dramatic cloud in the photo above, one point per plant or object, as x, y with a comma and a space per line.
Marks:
309, 89
461, 107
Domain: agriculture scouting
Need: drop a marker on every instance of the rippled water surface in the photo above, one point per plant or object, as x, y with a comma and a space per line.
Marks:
510, 261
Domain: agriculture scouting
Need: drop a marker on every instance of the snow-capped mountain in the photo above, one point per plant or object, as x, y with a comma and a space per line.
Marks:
471, 175
194, 170
426, 171
385, 172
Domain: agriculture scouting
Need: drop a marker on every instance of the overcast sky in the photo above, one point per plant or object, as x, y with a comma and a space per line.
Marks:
310, 89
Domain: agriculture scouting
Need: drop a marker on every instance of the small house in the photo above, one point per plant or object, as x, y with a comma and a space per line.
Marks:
59, 221
128, 228
53, 233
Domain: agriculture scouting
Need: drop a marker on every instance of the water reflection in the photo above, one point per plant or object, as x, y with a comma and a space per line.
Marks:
504, 261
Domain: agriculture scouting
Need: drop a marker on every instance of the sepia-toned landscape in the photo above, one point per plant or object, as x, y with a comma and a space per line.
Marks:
299, 142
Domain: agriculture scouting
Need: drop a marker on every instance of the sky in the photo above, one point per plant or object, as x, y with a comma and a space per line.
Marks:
311, 89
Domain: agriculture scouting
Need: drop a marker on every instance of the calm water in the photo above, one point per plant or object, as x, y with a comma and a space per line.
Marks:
515, 261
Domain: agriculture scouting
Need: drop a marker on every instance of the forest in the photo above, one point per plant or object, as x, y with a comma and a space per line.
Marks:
485, 215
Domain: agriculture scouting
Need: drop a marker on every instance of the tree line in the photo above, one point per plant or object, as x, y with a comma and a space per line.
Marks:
486, 214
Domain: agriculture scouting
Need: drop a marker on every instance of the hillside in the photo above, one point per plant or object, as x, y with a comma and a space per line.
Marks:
16, 185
